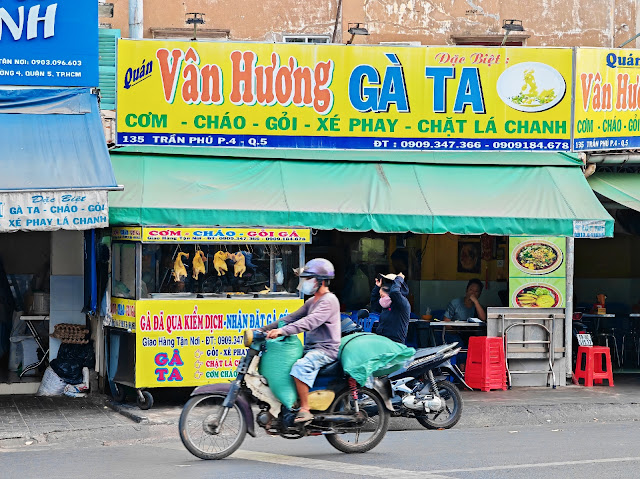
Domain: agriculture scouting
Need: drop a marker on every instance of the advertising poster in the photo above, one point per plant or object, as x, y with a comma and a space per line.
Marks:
331, 96
537, 272
49, 43
191, 343
606, 100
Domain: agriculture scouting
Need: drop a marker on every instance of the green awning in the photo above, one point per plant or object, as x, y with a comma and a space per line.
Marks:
623, 188
182, 190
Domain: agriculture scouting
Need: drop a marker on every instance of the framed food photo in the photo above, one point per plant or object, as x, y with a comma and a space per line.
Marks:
538, 257
537, 272
469, 256
537, 293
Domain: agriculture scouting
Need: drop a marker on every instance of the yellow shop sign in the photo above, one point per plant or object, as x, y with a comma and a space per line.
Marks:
195, 342
213, 235
607, 99
335, 96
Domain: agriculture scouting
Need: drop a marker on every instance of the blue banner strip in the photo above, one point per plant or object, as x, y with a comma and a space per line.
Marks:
606, 143
344, 143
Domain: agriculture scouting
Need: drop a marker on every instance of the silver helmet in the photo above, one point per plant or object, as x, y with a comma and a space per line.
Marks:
319, 268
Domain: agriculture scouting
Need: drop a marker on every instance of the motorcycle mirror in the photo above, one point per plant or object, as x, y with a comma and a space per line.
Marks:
248, 338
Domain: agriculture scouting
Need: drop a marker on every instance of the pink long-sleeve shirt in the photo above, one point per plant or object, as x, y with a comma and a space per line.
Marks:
320, 320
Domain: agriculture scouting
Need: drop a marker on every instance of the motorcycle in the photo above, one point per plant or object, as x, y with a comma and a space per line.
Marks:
217, 417
433, 400
416, 392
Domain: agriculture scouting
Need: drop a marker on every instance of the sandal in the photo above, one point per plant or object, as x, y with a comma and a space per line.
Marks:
303, 416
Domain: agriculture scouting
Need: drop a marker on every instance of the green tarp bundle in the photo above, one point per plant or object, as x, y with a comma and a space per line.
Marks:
363, 355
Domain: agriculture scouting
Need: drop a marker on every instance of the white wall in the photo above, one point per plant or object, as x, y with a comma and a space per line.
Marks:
437, 294
67, 282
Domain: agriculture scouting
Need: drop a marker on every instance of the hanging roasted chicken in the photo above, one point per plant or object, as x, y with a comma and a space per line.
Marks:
239, 266
220, 263
179, 271
199, 261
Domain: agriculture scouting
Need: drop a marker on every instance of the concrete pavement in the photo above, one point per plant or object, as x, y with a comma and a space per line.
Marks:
32, 416
29, 416
518, 406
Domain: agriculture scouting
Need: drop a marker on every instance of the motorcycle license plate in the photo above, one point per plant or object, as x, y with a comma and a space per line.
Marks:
584, 340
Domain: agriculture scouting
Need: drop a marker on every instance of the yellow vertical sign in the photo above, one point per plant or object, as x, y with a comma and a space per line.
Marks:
607, 90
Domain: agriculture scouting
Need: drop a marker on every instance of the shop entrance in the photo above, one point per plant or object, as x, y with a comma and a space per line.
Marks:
607, 292
24, 309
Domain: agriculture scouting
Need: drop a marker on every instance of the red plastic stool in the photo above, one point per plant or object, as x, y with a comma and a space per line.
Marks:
589, 366
485, 368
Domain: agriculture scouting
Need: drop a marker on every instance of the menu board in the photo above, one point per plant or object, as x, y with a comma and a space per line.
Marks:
537, 272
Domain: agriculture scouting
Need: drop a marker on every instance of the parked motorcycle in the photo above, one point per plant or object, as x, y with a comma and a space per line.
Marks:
430, 398
421, 389
216, 419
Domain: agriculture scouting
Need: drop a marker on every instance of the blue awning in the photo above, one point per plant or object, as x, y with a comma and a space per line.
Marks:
52, 139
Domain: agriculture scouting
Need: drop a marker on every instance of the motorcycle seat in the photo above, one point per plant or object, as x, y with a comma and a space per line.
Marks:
421, 353
331, 370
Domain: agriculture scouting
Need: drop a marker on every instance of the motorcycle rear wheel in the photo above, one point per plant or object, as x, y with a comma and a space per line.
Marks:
448, 417
377, 422
197, 421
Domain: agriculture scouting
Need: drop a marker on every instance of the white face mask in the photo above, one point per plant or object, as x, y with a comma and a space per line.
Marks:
308, 286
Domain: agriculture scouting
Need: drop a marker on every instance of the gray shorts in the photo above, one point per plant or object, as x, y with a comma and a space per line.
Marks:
306, 368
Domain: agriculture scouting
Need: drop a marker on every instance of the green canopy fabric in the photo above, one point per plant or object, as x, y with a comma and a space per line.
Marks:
623, 188
181, 190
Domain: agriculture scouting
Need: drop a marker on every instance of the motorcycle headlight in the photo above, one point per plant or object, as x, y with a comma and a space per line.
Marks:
248, 338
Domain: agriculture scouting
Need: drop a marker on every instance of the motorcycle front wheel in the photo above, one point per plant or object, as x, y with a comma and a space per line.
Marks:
450, 415
201, 416
362, 438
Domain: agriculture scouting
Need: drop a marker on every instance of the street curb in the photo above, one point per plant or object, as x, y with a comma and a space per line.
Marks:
127, 412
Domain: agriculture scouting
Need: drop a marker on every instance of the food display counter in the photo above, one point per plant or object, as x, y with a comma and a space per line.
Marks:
182, 297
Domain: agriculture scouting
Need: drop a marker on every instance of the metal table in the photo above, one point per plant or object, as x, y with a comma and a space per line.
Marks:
597, 318
425, 330
32, 329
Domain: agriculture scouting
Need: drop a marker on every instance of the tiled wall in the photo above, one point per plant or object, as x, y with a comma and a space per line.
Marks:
67, 284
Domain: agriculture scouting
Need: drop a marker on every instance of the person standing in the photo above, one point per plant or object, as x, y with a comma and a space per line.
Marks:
390, 293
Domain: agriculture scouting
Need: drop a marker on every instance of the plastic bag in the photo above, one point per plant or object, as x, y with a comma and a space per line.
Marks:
68, 369
81, 353
52, 384
364, 354
75, 391
275, 365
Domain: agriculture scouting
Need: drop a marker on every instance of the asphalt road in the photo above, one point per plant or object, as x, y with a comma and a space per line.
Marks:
567, 451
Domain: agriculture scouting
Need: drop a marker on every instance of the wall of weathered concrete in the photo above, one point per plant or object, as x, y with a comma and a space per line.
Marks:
548, 22
255, 20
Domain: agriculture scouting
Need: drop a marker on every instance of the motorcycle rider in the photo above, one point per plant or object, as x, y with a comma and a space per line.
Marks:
319, 317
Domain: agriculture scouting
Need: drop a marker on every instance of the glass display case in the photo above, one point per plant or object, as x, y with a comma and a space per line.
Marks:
181, 299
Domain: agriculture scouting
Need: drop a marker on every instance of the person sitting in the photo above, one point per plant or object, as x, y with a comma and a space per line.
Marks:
461, 309
390, 293
319, 316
